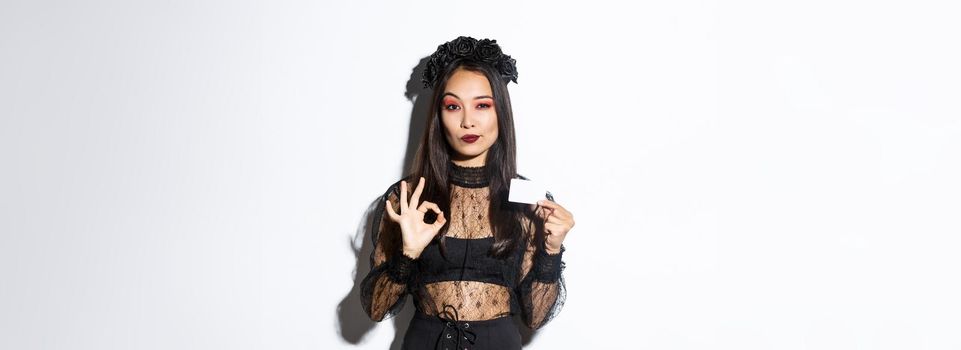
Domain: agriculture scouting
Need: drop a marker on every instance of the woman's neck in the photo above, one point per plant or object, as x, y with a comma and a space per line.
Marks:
469, 176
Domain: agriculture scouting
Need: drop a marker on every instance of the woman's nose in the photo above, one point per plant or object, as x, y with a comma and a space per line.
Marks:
467, 120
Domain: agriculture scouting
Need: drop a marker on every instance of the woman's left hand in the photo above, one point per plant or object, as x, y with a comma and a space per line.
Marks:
557, 223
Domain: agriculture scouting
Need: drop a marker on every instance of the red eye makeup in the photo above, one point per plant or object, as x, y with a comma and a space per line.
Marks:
484, 104
450, 103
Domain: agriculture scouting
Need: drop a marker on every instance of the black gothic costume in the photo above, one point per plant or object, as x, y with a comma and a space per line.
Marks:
465, 301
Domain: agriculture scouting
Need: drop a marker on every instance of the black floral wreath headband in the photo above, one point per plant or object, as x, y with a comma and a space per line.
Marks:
484, 51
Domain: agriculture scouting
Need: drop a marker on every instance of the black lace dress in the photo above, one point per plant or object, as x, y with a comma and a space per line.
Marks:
466, 300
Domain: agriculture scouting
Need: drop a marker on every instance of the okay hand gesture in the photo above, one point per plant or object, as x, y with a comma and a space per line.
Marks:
416, 233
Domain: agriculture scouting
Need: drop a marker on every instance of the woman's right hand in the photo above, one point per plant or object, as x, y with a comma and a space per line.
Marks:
416, 233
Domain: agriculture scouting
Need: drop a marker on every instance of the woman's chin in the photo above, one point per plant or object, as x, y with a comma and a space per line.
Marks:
464, 155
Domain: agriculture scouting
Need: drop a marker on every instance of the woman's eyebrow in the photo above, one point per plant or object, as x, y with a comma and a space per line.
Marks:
476, 98
452, 94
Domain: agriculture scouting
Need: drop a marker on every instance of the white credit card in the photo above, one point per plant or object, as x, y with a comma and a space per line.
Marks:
526, 191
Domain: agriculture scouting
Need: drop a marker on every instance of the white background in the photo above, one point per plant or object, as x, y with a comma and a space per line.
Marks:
743, 174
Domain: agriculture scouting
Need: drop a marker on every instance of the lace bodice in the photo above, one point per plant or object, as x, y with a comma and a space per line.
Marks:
478, 286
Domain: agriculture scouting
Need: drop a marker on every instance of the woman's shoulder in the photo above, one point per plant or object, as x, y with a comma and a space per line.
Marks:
395, 186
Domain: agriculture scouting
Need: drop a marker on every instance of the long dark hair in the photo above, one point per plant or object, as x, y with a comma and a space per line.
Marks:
434, 155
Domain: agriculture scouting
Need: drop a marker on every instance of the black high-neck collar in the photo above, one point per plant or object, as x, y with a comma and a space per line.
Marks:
472, 177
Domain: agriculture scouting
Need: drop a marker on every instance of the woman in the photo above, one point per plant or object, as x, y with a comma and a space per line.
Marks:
468, 271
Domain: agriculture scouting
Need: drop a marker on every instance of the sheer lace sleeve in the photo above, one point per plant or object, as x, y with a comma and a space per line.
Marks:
384, 289
541, 289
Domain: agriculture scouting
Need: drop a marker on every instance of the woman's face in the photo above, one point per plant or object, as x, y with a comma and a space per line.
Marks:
467, 112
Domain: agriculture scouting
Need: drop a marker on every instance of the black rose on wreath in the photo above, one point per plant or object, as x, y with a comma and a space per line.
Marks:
430, 72
442, 50
485, 51
462, 46
508, 68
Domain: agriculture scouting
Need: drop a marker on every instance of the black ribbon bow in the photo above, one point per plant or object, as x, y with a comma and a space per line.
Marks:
461, 329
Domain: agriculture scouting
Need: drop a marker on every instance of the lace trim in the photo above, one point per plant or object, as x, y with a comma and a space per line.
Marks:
400, 268
470, 177
548, 267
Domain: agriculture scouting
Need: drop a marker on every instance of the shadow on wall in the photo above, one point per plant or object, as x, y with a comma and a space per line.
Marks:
353, 321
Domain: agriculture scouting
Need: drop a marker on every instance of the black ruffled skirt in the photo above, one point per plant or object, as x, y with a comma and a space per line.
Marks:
433, 332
